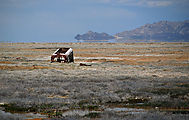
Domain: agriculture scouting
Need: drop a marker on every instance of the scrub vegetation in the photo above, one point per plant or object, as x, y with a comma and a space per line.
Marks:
148, 80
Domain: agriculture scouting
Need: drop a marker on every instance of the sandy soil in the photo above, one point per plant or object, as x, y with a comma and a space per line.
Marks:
150, 76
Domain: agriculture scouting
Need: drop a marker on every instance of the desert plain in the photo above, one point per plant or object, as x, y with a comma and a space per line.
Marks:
118, 81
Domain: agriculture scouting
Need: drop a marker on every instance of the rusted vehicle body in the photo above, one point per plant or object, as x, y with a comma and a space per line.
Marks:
63, 54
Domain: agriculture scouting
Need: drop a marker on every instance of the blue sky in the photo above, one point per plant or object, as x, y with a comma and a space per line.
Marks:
62, 20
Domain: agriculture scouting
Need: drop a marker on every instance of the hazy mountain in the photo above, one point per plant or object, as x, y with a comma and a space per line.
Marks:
160, 31
94, 36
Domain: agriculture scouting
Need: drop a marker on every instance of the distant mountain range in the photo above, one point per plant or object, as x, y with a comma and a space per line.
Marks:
160, 31
90, 35
165, 31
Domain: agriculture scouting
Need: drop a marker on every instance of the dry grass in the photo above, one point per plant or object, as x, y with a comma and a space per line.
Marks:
7, 62
36, 119
4, 67
162, 55
118, 72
